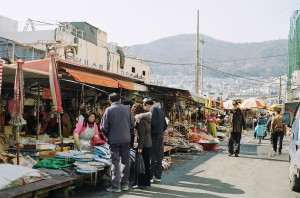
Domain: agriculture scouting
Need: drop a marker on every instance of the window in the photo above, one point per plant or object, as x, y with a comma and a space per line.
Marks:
144, 73
133, 69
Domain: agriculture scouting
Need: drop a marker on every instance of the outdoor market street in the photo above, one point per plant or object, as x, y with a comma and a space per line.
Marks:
258, 172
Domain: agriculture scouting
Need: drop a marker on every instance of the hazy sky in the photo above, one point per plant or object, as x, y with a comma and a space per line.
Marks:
129, 22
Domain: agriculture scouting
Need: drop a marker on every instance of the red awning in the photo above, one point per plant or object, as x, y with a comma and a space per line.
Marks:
90, 78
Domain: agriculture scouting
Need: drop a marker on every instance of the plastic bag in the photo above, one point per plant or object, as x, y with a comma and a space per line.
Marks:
140, 164
102, 139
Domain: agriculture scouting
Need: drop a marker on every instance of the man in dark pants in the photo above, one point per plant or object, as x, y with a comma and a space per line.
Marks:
116, 124
158, 126
278, 130
237, 123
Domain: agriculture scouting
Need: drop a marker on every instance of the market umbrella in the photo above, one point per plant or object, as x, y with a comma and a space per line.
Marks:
18, 107
17, 119
253, 103
54, 86
275, 107
55, 92
1, 69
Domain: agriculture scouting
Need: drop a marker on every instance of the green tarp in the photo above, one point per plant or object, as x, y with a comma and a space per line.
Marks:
53, 163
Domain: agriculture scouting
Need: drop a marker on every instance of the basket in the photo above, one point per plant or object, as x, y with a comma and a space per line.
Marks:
209, 146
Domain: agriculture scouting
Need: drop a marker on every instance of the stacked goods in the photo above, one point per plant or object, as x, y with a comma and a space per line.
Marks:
85, 168
103, 151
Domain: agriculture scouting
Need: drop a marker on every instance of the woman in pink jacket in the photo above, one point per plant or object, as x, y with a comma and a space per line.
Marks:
85, 130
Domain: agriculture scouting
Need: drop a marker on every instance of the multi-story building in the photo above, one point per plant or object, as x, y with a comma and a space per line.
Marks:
82, 43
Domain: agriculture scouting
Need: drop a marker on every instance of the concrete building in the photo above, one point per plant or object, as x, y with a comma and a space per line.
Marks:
82, 43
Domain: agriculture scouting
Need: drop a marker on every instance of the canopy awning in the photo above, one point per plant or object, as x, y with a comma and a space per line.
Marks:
91, 78
132, 86
289, 107
198, 99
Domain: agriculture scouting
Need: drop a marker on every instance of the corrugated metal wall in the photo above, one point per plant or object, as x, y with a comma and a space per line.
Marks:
12, 51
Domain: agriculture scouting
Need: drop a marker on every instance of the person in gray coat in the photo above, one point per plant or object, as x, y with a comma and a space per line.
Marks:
116, 124
158, 126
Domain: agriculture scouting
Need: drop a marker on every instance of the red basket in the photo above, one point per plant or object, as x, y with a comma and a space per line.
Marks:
209, 146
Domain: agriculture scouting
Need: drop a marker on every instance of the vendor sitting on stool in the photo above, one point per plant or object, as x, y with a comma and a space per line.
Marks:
85, 130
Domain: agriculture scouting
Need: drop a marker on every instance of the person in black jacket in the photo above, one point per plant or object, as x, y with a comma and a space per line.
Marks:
158, 126
237, 123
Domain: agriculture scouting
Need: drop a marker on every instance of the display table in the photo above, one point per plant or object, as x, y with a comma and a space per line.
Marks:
40, 187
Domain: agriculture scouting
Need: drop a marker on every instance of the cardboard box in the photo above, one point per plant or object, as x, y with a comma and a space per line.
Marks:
8, 130
44, 146
47, 154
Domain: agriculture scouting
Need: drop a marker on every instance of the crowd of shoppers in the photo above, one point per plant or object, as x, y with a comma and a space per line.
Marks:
122, 124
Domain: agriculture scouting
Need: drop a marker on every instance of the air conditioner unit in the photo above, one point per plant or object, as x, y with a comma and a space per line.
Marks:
295, 81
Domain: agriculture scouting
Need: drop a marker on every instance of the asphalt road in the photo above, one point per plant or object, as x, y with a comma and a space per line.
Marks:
259, 172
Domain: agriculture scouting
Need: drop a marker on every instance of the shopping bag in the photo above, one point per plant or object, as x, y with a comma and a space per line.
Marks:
140, 164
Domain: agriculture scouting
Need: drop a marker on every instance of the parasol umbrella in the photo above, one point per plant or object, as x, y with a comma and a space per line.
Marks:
54, 86
18, 107
1, 69
253, 103
55, 92
275, 107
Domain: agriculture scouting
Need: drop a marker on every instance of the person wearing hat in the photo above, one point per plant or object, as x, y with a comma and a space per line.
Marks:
237, 123
158, 126
116, 123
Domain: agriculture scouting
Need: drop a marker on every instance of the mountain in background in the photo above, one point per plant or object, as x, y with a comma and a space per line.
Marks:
243, 59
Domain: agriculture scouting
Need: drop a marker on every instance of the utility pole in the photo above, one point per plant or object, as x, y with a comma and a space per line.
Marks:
198, 57
203, 41
279, 94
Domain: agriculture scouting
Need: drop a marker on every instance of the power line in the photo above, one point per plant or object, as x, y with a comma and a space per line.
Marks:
243, 59
192, 64
215, 61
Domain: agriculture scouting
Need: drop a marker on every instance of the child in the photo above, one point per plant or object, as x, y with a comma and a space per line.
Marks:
259, 131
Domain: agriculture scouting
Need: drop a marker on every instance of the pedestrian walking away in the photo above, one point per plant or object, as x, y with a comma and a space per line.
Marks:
158, 126
116, 124
278, 131
236, 123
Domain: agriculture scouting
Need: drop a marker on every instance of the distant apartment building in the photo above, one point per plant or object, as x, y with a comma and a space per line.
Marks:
80, 42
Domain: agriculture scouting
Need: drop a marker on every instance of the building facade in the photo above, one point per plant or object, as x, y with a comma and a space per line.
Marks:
83, 43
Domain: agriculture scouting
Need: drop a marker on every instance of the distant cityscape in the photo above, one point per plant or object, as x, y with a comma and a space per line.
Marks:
229, 88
